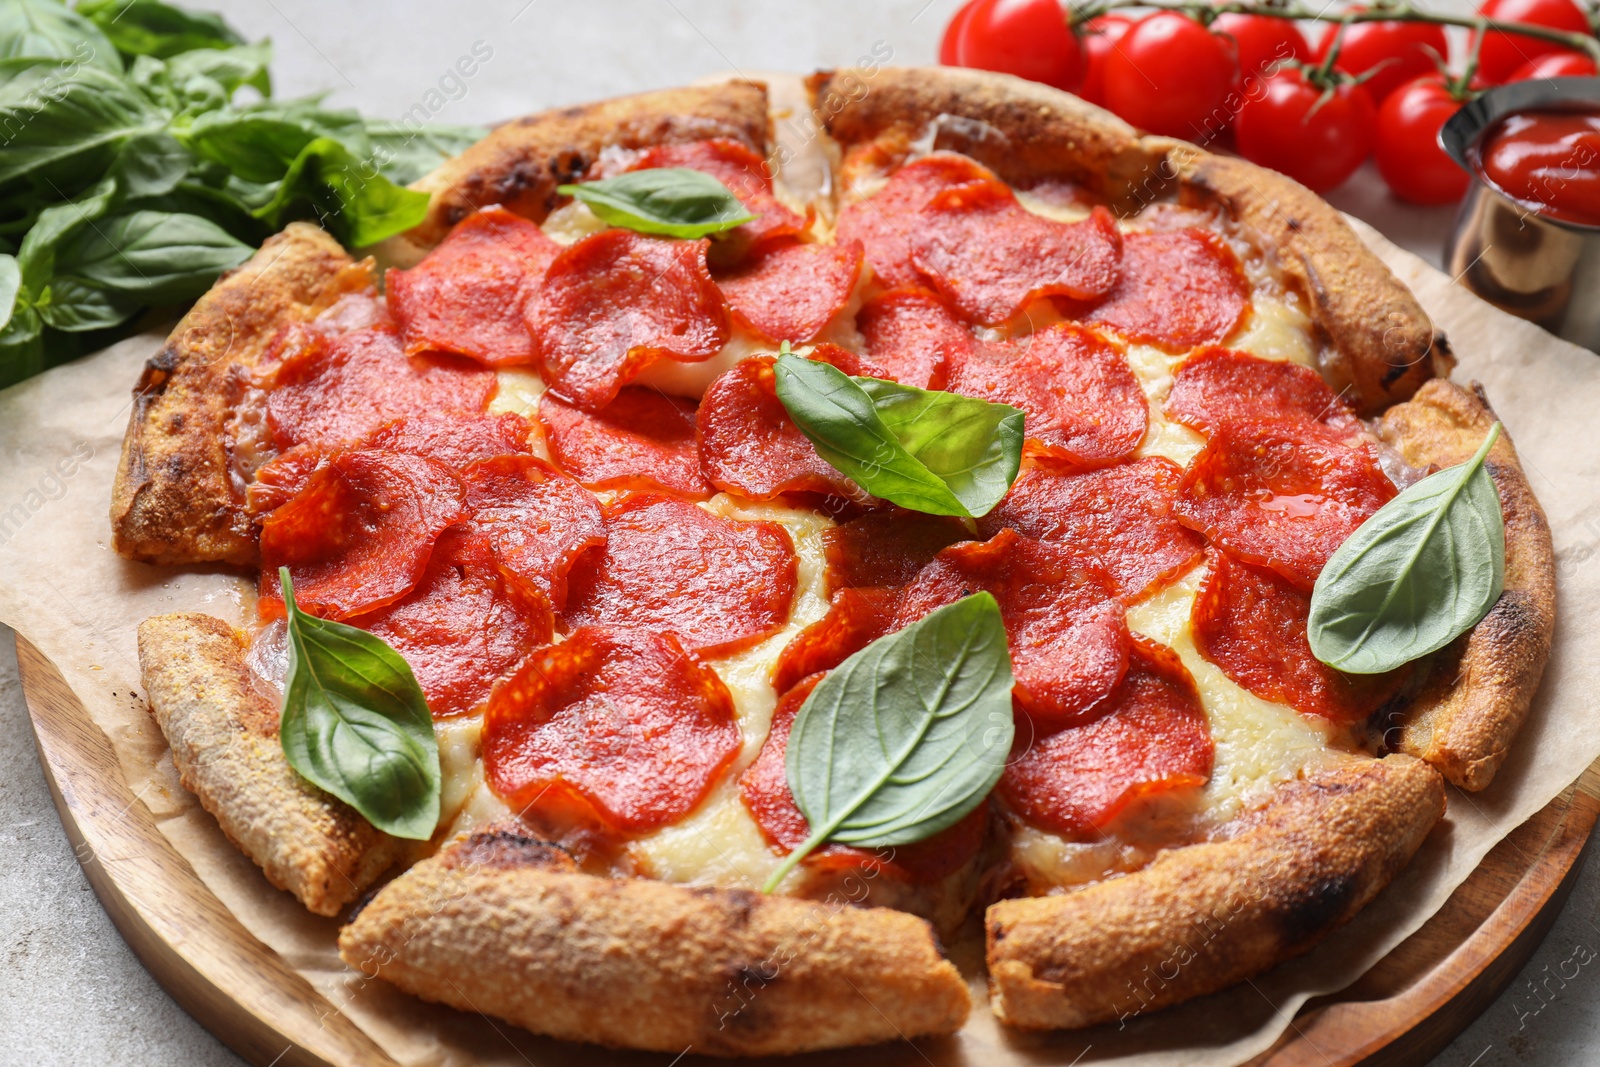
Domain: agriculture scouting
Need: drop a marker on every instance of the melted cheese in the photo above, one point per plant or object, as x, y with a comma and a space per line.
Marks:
1259, 744
459, 762
719, 841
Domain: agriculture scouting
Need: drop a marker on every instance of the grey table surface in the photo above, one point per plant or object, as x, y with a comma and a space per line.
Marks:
71, 991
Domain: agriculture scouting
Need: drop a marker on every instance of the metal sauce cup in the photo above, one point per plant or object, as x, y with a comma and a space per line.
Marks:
1535, 267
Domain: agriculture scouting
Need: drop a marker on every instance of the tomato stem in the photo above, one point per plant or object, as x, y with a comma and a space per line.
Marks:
1202, 11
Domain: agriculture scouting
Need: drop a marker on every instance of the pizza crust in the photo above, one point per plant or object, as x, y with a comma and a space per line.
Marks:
520, 163
174, 499
222, 728
502, 924
1381, 345
1480, 687
1202, 918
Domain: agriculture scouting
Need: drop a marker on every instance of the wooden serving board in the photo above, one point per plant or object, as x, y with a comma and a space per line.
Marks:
1402, 1012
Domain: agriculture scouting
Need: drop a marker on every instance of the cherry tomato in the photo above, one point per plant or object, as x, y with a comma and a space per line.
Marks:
1261, 41
1170, 75
1028, 38
1406, 49
1555, 65
1503, 53
1100, 38
949, 44
1289, 127
1407, 147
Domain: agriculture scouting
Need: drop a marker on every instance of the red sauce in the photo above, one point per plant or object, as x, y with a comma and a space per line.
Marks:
1549, 159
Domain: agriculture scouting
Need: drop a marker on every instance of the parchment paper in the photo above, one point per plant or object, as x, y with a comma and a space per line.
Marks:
63, 588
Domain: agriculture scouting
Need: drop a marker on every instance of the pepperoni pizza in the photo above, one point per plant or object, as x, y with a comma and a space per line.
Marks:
547, 460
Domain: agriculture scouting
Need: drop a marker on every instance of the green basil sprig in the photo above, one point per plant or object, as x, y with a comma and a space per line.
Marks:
355, 723
1416, 575
670, 201
121, 117
907, 736
934, 452
153, 28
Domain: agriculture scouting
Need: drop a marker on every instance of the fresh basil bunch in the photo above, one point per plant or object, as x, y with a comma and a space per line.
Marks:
131, 176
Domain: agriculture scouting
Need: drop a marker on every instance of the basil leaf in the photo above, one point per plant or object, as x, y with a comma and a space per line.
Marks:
66, 128
74, 305
1416, 575
356, 725
151, 164
405, 153
160, 257
907, 736
933, 452
230, 68
262, 143
672, 201
46, 29
22, 352
10, 284
152, 28
37, 256
345, 194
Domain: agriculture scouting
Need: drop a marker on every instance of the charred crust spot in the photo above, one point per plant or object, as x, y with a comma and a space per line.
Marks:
738, 905
508, 850
157, 372
1309, 914
569, 165
1400, 366
1292, 224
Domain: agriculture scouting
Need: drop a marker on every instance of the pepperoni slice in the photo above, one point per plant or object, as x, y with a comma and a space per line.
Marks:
855, 619
621, 721
332, 388
536, 520
641, 440
1177, 290
466, 625
990, 256
887, 222
913, 337
720, 585
618, 301
887, 548
467, 295
1218, 383
1252, 624
1281, 494
1082, 403
788, 291
1153, 739
750, 446
764, 788
1066, 629
1118, 518
454, 440
281, 477
359, 534
744, 173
